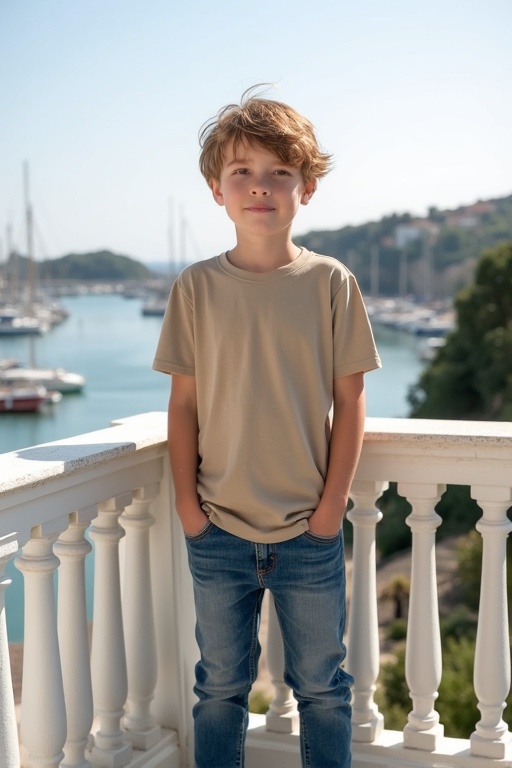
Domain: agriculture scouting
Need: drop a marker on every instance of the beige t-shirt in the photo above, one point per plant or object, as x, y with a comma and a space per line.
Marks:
264, 349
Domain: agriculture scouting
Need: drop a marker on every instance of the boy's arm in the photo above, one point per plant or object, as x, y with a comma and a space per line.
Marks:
183, 456
345, 446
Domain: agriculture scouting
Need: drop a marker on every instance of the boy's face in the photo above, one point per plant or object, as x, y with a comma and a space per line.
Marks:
261, 194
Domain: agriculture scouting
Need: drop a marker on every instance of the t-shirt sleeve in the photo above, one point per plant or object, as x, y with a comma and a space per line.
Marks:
354, 345
175, 349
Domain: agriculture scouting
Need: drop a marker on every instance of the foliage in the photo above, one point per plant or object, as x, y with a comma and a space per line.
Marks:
471, 376
397, 630
460, 622
259, 702
469, 558
393, 534
457, 700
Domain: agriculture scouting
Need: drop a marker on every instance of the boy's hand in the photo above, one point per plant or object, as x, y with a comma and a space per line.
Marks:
193, 520
326, 521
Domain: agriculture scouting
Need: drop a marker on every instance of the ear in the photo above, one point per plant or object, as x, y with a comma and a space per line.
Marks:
308, 191
216, 192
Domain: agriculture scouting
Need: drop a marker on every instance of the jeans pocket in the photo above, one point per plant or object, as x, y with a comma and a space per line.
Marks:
322, 539
200, 534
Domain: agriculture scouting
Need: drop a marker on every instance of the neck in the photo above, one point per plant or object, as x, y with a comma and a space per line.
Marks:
258, 256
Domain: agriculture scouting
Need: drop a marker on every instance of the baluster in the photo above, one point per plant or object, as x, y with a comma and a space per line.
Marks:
282, 715
363, 627
423, 665
139, 625
108, 659
72, 549
491, 737
9, 749
43, 712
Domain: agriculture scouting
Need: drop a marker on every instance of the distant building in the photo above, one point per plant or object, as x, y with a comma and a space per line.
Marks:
468, 216
414, 230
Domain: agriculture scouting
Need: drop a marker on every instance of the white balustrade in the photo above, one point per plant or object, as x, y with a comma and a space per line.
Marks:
122, 474
363, 655
491, 737
139, 624
282, 715
43, 712
423, 665
72, 548
108, 658
9, 749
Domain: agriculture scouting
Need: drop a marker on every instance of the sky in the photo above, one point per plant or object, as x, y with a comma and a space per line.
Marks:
103, 100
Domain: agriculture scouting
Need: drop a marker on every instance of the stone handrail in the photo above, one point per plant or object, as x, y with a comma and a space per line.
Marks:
124, 699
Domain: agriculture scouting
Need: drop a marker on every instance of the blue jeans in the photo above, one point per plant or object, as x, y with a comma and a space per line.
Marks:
306, 576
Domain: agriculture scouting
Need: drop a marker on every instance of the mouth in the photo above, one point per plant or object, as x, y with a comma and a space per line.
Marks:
260, 208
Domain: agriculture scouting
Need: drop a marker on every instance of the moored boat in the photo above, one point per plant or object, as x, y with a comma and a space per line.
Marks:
154, 308
13, 324
25, 399
56, 379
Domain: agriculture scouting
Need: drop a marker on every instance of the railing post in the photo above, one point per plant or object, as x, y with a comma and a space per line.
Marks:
423, 663
43, 712
72, 549
139, 624
9, 749
491, 737
282, 715
108, 659
363, 626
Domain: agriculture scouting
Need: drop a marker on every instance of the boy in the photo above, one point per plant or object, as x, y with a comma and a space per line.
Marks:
261, 341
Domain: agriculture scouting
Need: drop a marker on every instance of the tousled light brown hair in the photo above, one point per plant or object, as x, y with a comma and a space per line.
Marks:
275, 126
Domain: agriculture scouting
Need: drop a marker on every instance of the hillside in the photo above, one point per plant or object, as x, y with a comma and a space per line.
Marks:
100, 265
400, 246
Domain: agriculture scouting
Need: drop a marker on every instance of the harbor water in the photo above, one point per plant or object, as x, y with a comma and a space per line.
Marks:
108, 340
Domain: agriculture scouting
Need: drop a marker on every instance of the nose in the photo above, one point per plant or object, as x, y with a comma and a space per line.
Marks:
260, 187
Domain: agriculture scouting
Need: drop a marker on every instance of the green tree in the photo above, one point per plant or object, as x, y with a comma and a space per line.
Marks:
471, 376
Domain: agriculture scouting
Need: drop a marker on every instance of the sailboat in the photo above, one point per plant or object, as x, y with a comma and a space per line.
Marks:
53, 379
156, 305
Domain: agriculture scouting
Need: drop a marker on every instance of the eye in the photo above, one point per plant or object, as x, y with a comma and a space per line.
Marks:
282, 172
240, 171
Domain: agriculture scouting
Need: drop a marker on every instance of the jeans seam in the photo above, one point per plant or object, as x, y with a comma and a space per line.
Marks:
322, 539
305, 743
240, 748
201, 534
254, 640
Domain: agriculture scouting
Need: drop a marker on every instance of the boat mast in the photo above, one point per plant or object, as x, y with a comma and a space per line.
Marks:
30, 264
171, 248
30, 242
183, 237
